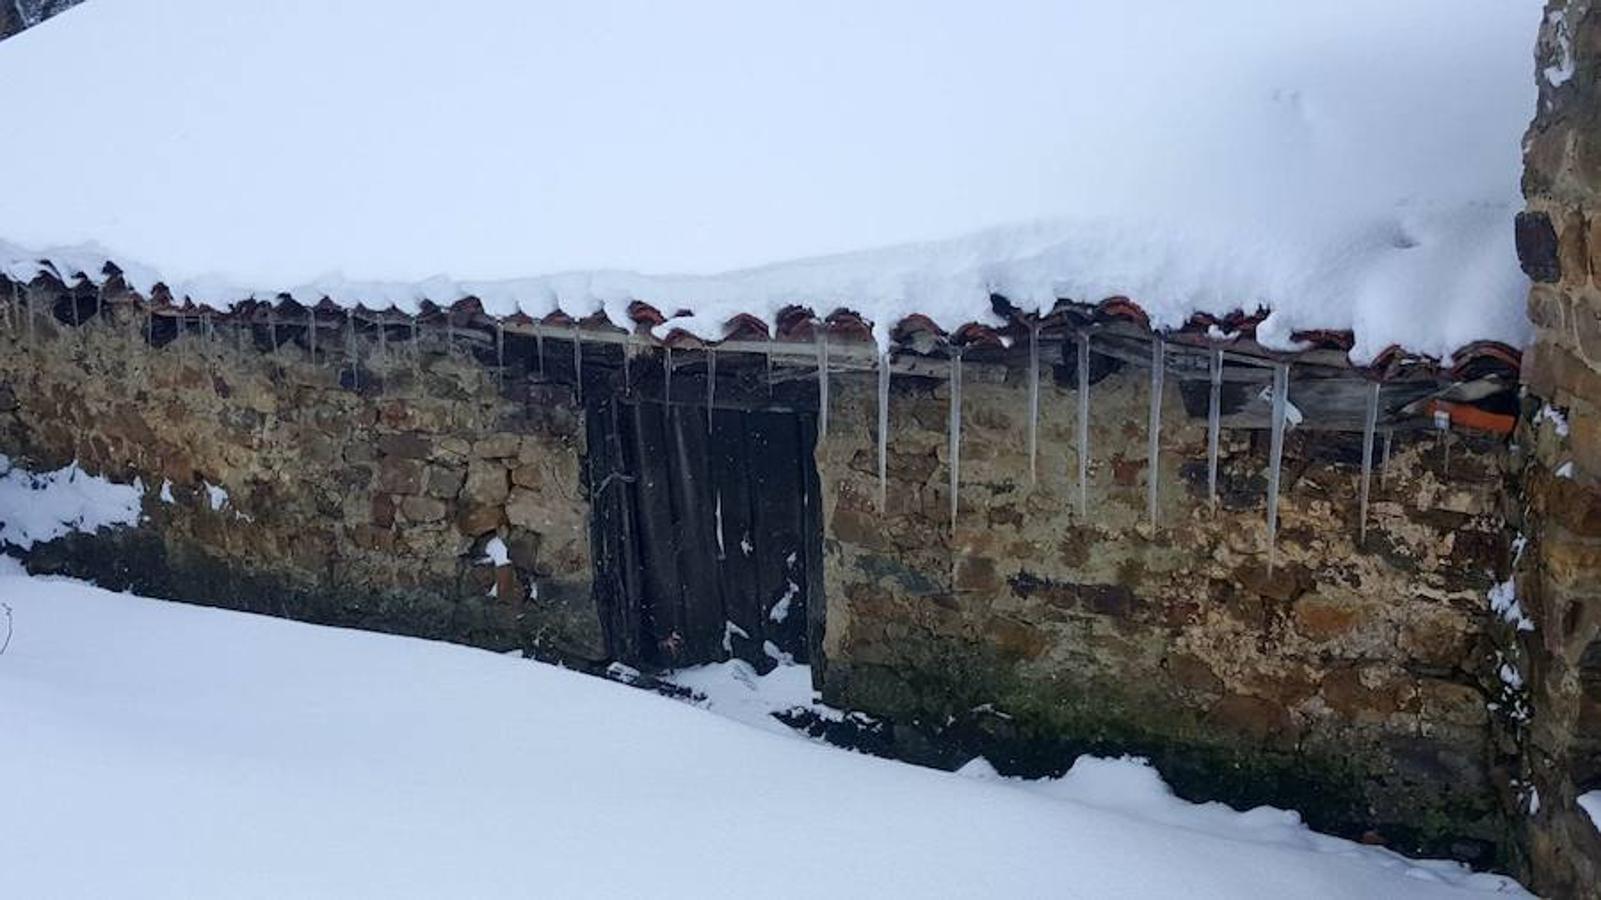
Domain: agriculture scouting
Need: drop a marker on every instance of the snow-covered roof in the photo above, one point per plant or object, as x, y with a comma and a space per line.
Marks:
1352, 167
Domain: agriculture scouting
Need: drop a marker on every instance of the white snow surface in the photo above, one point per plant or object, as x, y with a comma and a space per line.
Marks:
172, 750
1350, 165
38, 507
1590, 802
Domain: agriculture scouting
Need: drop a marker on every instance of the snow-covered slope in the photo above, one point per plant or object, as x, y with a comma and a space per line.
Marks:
1352, 165
152, 749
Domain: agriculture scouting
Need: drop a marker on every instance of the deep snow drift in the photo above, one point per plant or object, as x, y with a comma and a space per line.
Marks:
154, 749
1351, 165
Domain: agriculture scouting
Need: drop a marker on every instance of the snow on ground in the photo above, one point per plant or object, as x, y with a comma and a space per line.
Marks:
154, 749
1351, 165
47, 505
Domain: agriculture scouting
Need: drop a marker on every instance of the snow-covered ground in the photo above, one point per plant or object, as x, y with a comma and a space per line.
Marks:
1351, 165
153, 749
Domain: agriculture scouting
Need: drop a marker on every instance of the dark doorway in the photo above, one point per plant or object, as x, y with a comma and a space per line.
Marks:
707, 535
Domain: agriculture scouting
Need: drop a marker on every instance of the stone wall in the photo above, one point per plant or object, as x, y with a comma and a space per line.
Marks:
1559, 577
360, 497
1351, 683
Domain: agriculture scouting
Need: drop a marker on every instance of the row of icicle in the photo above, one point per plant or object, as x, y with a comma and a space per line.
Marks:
1278, 395
1279, 398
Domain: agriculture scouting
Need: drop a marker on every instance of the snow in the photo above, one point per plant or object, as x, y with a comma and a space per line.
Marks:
173, 750
1557, 418
216, 497
41, 507
1350, 165
1590, 802
1561, 72
729, 631
781, 606
496, 553
1504, 602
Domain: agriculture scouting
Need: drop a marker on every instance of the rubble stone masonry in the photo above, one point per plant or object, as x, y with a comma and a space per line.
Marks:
1559, 463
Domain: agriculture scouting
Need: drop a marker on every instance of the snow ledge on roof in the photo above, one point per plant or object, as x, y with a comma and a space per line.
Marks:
1430, 282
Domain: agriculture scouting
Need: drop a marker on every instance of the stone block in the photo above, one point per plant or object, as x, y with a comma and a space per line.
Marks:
1554, 372
1570, 563
1015, 640
1536, 241
476, 520
522, 548
1450, 703
497, 446
398, 475
1284, 583
486, 483
1573, 253
977, 574
443, 482
1548, 307
422, 509
406, 445
527, 509
1324, 619
1253, 718
383, 510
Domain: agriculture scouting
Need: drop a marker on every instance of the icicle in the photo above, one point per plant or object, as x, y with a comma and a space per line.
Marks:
539, 348
578, 365
1370, 423
711, 385
1281, 390
311, 333
383, 337
822, 383
628, 358
1083, 425
1214, 411
883, 431
350, 349
1384, 461
667, 374
100, 298
769, 356
272, 326
416, 348
1033, 404
72, 300
450, 334
500, 355
1154, 450
717, 513
955, 429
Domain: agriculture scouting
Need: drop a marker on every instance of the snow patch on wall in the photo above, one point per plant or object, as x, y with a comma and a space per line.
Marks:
496, 553
1561, 71
1504, 603
42, 507
1590, 802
